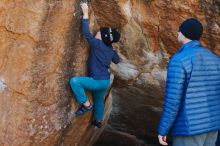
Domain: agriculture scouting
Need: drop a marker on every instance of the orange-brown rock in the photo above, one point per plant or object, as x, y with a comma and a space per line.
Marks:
149, 38
41, 47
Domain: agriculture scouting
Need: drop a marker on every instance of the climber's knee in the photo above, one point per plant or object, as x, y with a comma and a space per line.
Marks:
73, 81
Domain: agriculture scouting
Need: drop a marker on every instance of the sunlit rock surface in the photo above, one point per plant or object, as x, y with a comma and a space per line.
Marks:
41, 47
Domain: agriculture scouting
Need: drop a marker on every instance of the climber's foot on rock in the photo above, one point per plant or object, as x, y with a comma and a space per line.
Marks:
83, 109
97, 124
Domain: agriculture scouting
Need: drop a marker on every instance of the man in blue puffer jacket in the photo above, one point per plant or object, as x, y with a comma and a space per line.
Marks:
191, 112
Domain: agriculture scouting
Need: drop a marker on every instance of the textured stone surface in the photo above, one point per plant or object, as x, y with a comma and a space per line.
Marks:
148, 40
41, 47
116, 138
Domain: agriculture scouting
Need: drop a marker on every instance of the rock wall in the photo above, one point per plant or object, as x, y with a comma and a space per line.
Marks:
149, 38
41, 47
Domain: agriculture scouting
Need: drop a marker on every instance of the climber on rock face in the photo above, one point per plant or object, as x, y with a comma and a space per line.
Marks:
100, 57
191, 111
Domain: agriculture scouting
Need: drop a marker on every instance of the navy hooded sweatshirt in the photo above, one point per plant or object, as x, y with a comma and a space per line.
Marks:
100, 56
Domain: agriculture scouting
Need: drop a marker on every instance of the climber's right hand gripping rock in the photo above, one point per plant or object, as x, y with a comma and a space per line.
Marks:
85, 10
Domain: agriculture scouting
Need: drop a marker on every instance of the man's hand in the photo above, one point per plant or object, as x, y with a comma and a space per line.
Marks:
162, 140
85, 10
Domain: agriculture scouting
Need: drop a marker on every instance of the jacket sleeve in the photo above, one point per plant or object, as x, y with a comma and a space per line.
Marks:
174, 93
86, 32
116, 58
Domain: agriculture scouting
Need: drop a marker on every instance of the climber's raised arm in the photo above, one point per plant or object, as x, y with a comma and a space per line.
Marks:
85, 24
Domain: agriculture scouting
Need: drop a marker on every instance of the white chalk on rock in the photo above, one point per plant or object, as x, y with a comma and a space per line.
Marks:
3, 86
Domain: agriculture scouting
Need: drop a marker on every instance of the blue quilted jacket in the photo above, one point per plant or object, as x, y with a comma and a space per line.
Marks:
192, 97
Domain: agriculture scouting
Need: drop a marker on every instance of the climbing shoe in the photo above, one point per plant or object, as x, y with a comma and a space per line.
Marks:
97, 124
83, 109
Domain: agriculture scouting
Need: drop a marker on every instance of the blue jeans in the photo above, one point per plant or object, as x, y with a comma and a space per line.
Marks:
205, 139
98, 88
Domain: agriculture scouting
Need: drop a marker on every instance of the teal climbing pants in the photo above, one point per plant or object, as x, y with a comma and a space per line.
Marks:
98, 89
